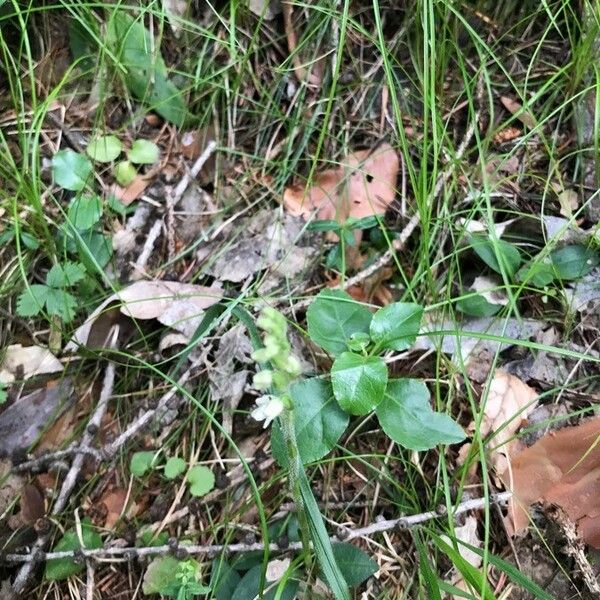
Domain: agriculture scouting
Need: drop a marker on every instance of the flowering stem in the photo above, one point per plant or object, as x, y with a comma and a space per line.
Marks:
295, 468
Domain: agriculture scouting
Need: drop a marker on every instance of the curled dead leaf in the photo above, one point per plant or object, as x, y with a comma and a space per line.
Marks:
563, 469
363, 185
26, 362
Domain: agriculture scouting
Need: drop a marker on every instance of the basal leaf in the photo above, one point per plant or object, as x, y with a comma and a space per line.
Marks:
61, 568
355, 564
65, 275
71, 170
160, 573
61, 303
94, 249
573, 262
536, 273
223, 580
125, 173
396, 326
249, 587
105, 148
477, 306
85, 211
332, 319
143, 152
358, 382
495, 253
141, 462
174, 467
407, 417
318, 419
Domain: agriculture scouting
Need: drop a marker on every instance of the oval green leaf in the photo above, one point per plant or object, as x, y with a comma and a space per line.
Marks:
85, 212
358, 382
143, 152
125, 173
71, 170
397, 325
141, 462
407, 417
495, 253
355, 564
318, 420
477, 306
104, 149
333, 317
573, 262
174, 467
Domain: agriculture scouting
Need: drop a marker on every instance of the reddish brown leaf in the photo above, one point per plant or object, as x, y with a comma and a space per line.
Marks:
562, 468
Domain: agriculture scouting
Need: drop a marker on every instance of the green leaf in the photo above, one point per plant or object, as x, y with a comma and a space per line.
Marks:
61, 303
332, 319
318, 420
363, 222
201, 479
324, 225
146, 76
537, 273
249, 587
143, 152
124, 173
358, 382
223, 580
407, 418
396, 326
321, 543
494, 253
160, 573
355, 564
94, 250
71, 170
3, 393
65, 275
175, 466
477, 306
105, 148
58, 569
141, 462
573, 262
31, 301
85, 211
425, 569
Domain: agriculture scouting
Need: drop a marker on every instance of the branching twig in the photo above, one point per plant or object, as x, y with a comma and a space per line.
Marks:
214, 549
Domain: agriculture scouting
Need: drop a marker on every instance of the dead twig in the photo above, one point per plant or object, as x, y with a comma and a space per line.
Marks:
215, 549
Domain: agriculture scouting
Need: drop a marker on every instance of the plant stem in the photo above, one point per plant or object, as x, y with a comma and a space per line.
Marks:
294, 467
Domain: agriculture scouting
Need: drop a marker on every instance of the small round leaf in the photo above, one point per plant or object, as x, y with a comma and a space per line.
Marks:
175, 466
358, 382
125, 173
85, 212
143, 152
201, 480
573, 262
105, 148
141, 462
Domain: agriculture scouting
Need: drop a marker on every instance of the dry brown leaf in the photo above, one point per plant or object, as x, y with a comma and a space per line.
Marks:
563, 469
364, 185
114, 501
126, 195
26, 362
569, 202
173, 303
507, 135
514, 107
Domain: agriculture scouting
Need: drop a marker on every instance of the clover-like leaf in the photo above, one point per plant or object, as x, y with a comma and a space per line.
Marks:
31, 302
71, 170
318, 420
61, 303
396, 326
407, 417
104, 149
85, 211
358, 382
143, 152
333, 317
174, 467
201, 479
65, 275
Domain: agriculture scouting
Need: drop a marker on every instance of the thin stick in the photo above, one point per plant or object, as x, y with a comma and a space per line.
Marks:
193, 172
214, 549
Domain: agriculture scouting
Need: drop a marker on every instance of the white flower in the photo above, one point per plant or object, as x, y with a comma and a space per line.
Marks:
267, 408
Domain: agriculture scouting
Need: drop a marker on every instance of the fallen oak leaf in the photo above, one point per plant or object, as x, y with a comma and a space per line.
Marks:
562, 468
363, 185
